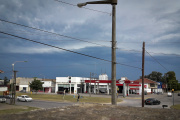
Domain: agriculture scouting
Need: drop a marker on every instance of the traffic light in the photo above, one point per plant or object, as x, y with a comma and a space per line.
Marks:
69, 79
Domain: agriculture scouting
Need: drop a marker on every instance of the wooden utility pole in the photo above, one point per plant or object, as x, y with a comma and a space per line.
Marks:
143, 54
113, 74
13, 90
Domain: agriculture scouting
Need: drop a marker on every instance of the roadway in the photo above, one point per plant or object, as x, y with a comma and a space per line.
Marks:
131, 101
136, 101
43, 104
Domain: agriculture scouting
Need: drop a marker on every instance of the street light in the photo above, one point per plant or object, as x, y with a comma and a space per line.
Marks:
16, 62
13, 84
113, 63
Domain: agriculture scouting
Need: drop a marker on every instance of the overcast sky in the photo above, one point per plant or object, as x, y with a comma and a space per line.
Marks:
88, 31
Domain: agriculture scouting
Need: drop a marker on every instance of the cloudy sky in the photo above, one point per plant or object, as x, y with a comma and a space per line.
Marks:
88, 31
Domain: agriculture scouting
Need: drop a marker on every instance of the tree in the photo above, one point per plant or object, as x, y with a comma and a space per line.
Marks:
156, 76
171, 80
36, 85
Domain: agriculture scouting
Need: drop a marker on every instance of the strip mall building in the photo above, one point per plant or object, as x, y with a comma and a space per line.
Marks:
74, 85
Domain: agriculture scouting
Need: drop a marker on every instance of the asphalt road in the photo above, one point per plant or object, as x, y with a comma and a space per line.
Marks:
43, 104
131, 100
136, 101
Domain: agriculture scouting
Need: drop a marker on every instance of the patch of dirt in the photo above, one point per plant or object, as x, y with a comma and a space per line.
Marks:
96, 112
4, 106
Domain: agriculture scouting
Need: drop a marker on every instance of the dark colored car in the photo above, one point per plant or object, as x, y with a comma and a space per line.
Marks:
102, 91
178, 94
8, 96
23, 91
152, 101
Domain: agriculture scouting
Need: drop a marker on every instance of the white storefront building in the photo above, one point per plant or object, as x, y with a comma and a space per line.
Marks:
71, 85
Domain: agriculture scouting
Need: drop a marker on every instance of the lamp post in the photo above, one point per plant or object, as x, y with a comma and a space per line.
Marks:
16, 62
13, 84
113, 62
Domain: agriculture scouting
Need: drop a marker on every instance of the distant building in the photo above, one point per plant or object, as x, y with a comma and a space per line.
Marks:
71, 85
2, 86
49, 85
150, 85
22, 83
103, 77
1, 82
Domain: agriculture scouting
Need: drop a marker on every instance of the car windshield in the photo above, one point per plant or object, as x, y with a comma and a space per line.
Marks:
27, 97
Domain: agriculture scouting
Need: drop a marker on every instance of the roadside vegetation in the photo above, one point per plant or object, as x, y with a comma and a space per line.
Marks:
17, 109
176, 107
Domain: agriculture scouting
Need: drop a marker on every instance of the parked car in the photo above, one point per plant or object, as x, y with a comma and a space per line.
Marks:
22, 91
24, 98
102, 91
169, 94
2, 99
152, 101
160, 93
178, 94
8, 96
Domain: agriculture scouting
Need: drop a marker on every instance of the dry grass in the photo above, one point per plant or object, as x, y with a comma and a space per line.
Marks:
68, 98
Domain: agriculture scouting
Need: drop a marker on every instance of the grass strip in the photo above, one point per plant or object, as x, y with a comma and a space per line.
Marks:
176, 107
68, 98
17, 110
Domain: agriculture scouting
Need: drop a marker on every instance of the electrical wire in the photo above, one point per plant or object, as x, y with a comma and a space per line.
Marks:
83, 7
53, 46
166, 54
52, 33
157, 61
66, 49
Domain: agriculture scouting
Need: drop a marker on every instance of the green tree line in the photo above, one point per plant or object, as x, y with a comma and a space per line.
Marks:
168, 78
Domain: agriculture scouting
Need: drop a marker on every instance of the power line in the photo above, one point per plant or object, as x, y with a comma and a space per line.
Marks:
83, 7
166, 54
65, 49
157, 61
128, 65
52, 33
54, 46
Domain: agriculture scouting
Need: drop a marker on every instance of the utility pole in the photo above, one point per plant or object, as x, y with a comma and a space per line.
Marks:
143, 54
113, 74
13, 88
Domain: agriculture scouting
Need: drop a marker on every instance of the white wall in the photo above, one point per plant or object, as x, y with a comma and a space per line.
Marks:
3, 88
103, 77
47, 83
21, 87
65, 80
